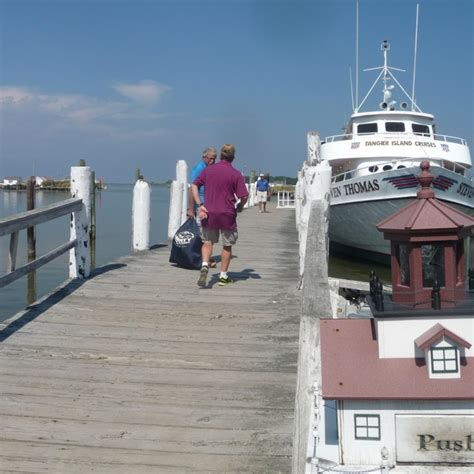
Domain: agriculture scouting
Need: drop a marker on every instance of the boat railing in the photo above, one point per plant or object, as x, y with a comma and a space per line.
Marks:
368, 169
436, 137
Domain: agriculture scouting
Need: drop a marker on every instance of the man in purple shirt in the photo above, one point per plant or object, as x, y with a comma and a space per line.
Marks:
223, 185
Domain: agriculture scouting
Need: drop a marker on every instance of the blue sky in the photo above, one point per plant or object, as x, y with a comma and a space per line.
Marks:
126, 84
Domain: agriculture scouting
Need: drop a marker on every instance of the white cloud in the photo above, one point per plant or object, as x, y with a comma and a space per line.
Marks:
144, 92
14, 94
86, 110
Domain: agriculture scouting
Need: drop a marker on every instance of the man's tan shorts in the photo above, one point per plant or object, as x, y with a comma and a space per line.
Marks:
262, 196
229, 237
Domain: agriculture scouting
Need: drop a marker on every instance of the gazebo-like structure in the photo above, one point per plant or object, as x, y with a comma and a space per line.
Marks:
427, 250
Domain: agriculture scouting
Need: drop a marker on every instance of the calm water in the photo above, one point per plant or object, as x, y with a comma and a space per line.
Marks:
113, 217
114, 211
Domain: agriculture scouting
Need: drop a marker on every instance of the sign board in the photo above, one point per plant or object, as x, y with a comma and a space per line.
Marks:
435, 438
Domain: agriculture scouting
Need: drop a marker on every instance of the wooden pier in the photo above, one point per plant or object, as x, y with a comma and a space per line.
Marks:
137, 370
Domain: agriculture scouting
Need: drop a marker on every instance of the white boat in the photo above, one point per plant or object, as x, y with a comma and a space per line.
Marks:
376, 161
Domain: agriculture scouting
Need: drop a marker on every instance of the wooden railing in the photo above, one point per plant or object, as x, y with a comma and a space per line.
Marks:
286, 199
12, 225
79, 207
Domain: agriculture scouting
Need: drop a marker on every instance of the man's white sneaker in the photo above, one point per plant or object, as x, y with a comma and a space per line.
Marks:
203, 276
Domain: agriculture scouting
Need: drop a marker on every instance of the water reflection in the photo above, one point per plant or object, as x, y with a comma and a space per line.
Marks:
113, 210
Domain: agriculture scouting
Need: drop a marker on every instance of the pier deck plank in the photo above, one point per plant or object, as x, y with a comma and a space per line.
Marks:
137, 370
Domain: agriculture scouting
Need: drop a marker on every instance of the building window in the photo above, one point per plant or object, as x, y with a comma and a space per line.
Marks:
404, 262
432, 264
444, 360
367, 426
394, 126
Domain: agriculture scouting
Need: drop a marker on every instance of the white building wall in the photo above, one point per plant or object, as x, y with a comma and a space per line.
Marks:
327, 447
396, 336
367, 452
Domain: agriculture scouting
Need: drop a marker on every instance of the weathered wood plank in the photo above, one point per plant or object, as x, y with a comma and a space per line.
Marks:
26, 219
35, 264
62, 457
139, 370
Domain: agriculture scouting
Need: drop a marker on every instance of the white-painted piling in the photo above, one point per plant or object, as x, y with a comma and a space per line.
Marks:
298, 199
141, 216
182, 178
79, 257
251, 199
316, 306
253, 193
316, 185
175, 209
314, 147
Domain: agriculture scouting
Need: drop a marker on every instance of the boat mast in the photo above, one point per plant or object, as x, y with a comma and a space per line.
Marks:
387, 94
357, 58
414, 61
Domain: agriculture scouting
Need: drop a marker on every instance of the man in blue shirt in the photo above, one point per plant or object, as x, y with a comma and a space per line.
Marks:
262, 189
209, 156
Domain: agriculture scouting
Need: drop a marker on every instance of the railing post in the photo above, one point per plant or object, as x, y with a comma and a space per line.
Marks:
141, 216
79, 257
30, 205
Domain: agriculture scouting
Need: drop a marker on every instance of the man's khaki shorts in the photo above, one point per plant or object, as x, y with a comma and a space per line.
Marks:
262, 196
229, 237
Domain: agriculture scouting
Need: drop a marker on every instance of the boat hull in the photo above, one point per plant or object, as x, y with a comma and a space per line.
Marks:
359, 204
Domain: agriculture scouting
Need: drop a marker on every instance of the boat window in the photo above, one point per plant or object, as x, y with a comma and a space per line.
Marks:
394, 126
374, 169
387, 167
399, 167
420, 129
367, 128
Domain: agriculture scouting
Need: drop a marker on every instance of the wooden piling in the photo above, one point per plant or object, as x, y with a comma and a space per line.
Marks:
30, 205
92, 235
79, 257
141, 216
316, 305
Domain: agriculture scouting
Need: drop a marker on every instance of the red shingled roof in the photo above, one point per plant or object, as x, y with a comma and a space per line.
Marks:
426, 215
435, 333
352, 369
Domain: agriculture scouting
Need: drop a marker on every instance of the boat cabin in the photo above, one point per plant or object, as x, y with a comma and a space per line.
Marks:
398, 122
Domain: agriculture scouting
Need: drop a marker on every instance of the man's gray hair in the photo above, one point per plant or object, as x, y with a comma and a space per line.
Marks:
209, 151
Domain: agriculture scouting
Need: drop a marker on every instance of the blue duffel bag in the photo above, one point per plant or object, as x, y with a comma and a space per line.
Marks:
186, 247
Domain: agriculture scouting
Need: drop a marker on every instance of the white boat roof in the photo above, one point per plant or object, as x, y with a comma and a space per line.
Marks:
388, 114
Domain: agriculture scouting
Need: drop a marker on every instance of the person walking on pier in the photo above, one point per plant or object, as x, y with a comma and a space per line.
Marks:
209, 156
223, 185
262, 189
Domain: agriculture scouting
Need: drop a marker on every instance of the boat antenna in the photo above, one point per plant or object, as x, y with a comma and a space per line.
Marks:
414, 61
357, 59
352, 89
